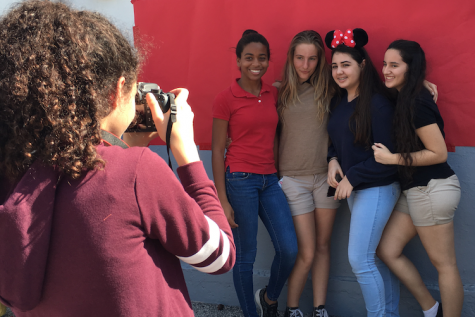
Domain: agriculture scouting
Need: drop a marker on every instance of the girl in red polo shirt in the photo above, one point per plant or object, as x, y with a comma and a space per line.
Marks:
246, 179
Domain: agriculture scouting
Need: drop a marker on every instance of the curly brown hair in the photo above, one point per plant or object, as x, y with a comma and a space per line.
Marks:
58, 73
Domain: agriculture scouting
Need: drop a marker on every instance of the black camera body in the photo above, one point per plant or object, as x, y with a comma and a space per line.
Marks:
144, 118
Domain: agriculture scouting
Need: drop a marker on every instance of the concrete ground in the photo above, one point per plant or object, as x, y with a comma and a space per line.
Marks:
203, 310
213, 310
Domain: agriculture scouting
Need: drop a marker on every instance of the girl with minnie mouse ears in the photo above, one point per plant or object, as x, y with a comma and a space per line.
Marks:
362, 114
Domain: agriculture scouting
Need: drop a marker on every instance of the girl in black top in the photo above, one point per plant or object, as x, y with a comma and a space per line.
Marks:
431, 190
361, 115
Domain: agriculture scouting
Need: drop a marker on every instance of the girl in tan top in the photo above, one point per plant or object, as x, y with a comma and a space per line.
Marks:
304, 98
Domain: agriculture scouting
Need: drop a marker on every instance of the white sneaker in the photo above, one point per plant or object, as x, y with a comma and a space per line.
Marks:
293, 312
319, 311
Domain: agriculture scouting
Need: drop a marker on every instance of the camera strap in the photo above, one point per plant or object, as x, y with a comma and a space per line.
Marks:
171, 120
110, 139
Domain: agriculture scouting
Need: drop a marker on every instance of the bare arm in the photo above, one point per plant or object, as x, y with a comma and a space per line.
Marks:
220, 129
435, 151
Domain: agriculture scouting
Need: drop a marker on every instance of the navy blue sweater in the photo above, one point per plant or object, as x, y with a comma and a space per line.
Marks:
357, 161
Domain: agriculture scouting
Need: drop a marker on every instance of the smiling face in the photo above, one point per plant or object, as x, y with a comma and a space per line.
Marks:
253, 62
346, 72
305, 61
394, 69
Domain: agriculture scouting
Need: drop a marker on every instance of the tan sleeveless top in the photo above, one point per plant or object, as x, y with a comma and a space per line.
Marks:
303, 141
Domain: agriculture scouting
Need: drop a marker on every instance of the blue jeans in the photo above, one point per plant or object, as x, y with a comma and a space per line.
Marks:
370, 210
252, 195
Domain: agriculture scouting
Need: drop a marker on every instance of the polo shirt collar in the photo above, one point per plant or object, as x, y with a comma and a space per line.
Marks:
238, 92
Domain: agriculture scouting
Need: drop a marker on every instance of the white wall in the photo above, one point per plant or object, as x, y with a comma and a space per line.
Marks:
120, 12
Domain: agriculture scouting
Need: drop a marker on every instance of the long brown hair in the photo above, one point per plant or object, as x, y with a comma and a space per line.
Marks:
58, 71
320, 79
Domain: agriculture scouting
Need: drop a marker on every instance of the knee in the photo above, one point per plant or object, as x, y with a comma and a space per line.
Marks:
289, 253
360, 264
245, 257
322, 248
445, 265
305, 258
385, 255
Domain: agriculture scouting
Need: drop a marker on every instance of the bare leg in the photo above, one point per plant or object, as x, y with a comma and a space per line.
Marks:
306, 240
324, 219
438, 241
398, 232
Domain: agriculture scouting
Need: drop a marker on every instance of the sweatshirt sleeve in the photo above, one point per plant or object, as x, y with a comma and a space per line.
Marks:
331, 148
331, 151
187, 218
369, 170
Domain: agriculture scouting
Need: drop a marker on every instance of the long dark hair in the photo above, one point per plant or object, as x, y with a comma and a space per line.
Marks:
58, 70
369, 84
406, 139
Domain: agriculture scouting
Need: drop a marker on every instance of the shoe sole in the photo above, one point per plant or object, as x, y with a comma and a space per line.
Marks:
257, 299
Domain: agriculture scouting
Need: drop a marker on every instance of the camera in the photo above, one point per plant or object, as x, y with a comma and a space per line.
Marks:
143, 114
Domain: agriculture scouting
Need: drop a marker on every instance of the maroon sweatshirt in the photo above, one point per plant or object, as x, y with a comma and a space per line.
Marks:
109, 243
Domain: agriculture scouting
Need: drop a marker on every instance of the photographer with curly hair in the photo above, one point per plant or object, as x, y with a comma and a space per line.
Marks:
88, 229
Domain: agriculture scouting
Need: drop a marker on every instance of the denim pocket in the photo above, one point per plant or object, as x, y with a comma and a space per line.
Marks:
237, 176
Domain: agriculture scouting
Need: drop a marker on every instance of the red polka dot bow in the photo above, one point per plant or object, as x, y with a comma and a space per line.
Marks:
343, 38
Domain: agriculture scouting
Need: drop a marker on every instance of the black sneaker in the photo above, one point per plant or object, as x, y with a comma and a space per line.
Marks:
439, 311
319, 311
264, 309
293, 312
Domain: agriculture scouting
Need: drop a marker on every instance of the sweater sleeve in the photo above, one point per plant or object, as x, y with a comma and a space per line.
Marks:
331, 151
331, 148
369, 170
187, 218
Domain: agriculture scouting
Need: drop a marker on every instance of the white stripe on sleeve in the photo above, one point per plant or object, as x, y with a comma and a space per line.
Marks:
209, 247
220, 261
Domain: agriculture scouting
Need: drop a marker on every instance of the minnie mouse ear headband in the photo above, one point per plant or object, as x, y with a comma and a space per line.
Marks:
351, 38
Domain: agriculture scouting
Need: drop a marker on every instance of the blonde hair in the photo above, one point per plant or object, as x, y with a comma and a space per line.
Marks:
320, 79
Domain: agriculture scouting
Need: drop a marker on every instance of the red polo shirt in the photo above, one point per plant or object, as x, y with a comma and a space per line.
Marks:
252, 123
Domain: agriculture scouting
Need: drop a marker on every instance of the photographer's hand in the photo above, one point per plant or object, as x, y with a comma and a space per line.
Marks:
182, 143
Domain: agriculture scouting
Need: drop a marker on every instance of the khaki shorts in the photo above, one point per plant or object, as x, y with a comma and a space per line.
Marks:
433, 204
307, 192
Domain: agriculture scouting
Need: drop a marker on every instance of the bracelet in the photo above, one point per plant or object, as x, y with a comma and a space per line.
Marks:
333, 158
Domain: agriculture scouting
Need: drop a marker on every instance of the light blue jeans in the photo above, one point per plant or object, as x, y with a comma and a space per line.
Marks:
370, 211
252, 196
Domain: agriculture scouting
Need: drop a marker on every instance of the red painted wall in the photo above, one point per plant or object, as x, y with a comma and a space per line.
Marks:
193, 45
